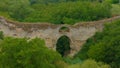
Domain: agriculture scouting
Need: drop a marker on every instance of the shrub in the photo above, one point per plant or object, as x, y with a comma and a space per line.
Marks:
70, 60
71, 12
1, 35
21, 53
63, 12
90, 64
93, 64
104, 46
112, 1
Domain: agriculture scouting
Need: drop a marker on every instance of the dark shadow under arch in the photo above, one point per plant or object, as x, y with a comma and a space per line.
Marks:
63, 45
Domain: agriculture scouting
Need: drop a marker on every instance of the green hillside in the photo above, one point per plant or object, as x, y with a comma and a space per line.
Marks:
55, 11
104, 46
100, 51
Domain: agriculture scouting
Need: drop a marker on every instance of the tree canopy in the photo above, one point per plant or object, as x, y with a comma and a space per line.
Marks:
104, 46
21, 53
54, 11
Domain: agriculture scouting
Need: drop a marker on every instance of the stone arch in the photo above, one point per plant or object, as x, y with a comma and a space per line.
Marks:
63, 45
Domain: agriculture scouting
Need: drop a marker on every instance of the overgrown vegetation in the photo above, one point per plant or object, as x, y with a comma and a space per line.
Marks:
90, 64
55, 11
99, 51
116, 9
21, 53
64, 29
113, 1
1, 35
104, 46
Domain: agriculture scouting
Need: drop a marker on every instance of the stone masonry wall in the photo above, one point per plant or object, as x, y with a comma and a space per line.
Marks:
78, 33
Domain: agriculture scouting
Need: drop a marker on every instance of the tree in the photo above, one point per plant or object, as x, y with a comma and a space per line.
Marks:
21, 11
108, 48
104, 46
89, 63
24, 53
93, 64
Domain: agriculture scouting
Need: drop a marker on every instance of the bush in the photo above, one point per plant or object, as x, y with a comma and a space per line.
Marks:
1, 35
112, 1
90, 64
63, 12
93, 64
82, 54
71, 12
115, 1
21, 53
70, 60
104, 46
107, 49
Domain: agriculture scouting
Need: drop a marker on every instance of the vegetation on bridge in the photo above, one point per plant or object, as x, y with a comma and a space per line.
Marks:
99, 50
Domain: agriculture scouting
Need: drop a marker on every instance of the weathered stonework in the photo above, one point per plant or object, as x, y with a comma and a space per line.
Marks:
78, 33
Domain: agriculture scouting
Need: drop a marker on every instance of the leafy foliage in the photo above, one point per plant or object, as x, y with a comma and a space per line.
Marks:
20, 53
71, 12
70, 60
55, 11
90, 64
93, 64
82, 53
1, 35
104, 46
116, 9
115, 1
108, 47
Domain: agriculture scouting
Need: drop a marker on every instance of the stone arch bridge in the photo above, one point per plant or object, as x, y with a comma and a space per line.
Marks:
77, 33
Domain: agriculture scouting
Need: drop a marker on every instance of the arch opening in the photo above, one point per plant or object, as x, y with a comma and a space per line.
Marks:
63, 45
64, 29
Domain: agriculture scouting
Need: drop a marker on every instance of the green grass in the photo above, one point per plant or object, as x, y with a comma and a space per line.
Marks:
115, 9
